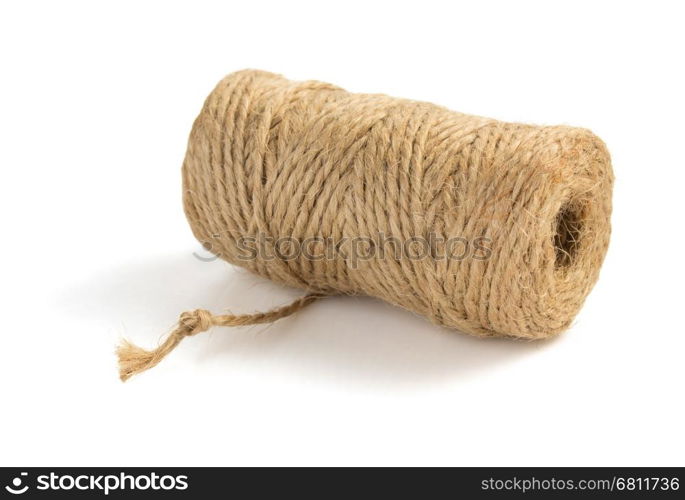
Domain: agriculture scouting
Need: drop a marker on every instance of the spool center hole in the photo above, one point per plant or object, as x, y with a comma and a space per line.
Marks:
569, 226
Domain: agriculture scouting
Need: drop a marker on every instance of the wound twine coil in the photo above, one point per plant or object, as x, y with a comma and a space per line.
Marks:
274, 163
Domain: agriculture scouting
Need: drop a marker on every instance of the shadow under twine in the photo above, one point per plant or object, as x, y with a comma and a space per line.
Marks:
355, 339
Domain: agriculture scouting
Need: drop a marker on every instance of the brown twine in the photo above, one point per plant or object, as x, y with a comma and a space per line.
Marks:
270, 160
133, 359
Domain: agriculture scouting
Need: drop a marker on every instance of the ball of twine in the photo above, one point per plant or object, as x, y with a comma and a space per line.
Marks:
339, 193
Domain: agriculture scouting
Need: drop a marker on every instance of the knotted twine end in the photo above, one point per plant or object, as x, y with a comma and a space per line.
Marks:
133, 359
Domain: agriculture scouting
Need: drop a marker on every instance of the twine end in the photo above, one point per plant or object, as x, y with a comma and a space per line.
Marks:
132, 359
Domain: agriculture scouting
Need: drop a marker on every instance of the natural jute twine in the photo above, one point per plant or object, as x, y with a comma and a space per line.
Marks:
271, 160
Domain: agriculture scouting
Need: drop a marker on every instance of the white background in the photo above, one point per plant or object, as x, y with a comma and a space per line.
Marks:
96, 103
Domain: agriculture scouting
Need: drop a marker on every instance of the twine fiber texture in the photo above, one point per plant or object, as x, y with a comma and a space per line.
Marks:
271, 159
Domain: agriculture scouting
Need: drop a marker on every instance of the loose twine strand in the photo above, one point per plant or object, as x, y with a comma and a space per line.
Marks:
133, 359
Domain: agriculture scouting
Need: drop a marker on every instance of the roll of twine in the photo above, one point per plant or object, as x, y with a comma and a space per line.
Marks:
348, 179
